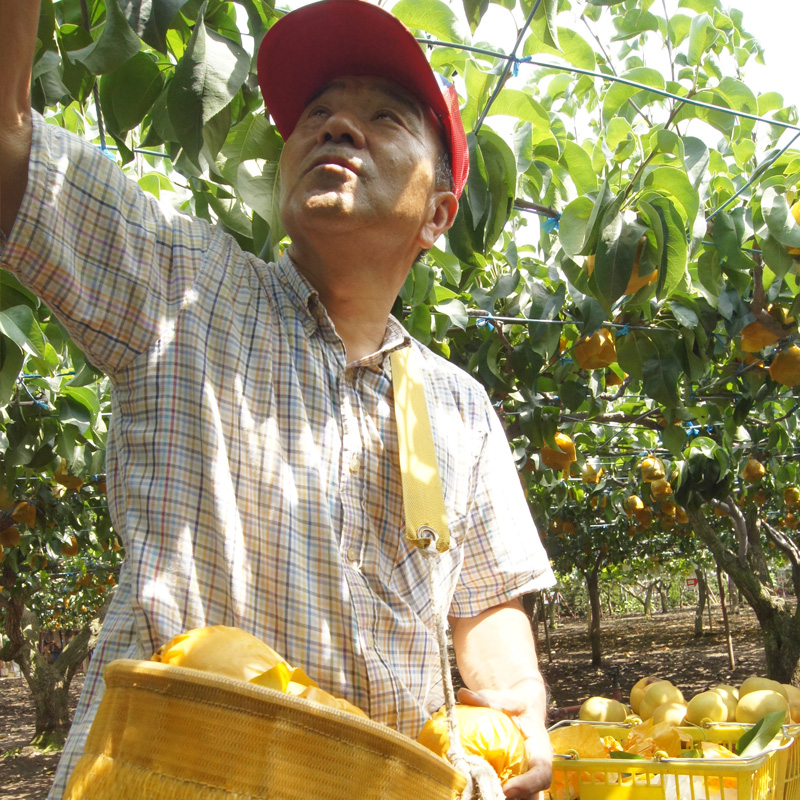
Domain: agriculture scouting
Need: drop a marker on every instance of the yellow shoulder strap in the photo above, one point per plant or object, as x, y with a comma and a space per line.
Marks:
423, 500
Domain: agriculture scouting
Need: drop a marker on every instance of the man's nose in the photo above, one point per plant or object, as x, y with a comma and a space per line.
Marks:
342, 126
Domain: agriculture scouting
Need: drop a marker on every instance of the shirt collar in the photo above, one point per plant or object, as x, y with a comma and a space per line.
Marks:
314, 317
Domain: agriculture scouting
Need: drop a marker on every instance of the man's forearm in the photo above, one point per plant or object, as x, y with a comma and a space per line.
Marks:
19, 20
495, 651
496, 657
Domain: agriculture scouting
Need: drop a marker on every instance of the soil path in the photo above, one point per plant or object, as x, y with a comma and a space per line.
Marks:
664, 646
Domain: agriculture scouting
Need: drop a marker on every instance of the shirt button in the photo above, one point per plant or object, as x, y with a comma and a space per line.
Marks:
355, 465
352, 555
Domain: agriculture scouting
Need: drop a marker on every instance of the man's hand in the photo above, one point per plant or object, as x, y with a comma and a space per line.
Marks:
540, 753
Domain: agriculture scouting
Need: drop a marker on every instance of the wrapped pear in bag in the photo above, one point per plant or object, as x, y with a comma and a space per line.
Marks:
220, 649
484, 732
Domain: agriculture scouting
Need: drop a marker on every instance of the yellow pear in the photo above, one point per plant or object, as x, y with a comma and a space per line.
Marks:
730, 696
602, 709
656, 695
671, 713
706, 706
754, 705
638, 690
755, 683
793, 696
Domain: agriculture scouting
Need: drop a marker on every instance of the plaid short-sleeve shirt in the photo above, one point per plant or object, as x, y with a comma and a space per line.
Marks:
252, 472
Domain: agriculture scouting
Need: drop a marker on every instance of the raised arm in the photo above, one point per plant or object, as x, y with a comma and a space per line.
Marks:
19, 20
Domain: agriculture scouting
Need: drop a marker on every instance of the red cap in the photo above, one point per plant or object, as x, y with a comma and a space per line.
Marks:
315, 44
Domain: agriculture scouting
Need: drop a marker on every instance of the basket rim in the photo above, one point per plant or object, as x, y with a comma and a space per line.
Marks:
220, 690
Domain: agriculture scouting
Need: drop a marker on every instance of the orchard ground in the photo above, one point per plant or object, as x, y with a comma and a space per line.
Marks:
663, 645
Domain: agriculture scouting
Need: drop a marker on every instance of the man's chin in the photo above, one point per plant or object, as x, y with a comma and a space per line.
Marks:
329, 202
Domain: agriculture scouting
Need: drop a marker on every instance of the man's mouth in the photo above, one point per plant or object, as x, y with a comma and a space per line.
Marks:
336, 161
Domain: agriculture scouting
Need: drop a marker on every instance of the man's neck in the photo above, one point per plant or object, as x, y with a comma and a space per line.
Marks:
358, 290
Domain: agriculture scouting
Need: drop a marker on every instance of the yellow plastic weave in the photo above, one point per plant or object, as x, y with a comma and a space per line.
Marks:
169, 733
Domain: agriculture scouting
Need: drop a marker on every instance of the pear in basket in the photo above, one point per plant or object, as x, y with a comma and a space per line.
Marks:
484, 732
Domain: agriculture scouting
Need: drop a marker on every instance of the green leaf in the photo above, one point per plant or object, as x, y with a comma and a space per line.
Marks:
674, 182
625, 756
11, 361
85, 396
674, 439
696, 158
76, 77
502, 179
115, 45
456, 311
474, 10
675, 255
633, 350
579, 164
701, 36
685, 317
740, 97
154, 183
619, 93
418, 284
574, 225
128, 93
19, 325
660, 376
151, 19
548, 10
515, 103
616, 252
419, 323
574, 49
776, 256
779, 218
208, 76
726, 238
759, 737
74, 412
432, 16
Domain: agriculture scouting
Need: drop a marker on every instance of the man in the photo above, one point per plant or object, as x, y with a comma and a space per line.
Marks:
252, 460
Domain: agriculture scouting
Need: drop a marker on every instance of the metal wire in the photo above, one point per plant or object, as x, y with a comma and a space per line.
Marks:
614, 79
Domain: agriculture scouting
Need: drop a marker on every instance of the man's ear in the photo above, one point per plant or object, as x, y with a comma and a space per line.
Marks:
444, 207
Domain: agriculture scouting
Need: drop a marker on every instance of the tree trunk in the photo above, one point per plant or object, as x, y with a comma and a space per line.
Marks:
48, 683
593, 588
702, 597
648, 600
780, 623
663, 591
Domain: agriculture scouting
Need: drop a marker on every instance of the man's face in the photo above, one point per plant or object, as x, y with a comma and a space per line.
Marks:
363, 154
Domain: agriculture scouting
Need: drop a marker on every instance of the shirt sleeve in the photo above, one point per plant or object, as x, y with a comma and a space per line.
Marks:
111, 262
503, 554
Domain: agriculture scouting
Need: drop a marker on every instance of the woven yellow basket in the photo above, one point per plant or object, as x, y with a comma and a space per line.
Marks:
169, 733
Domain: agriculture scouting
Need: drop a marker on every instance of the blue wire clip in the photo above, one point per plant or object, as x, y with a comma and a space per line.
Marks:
107, 153
517, 62
550, 224
624, 330
485, 322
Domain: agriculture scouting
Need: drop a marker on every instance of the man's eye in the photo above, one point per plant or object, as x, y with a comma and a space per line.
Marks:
389, 115
318, 111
